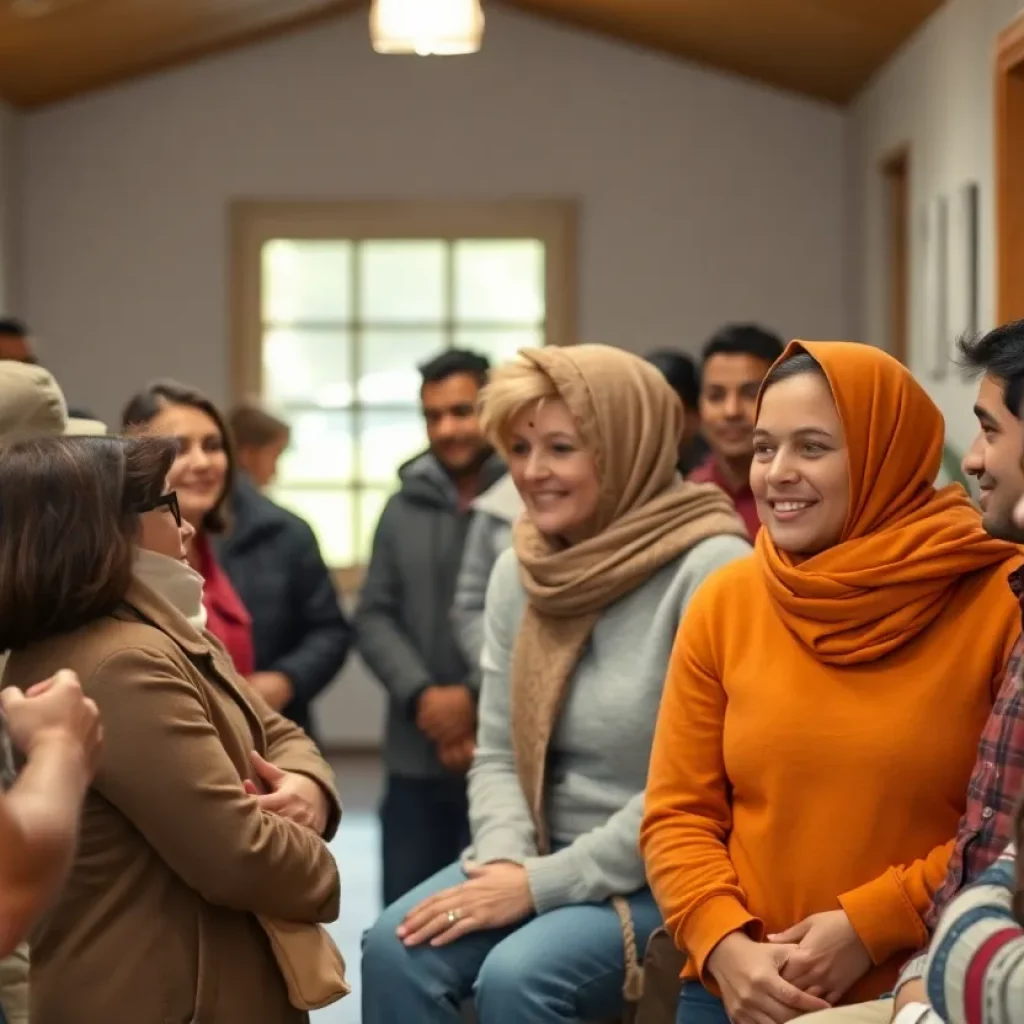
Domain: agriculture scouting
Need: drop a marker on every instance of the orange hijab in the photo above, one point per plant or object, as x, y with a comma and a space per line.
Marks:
905, 546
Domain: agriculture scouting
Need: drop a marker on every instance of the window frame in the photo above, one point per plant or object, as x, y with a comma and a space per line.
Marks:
253, 223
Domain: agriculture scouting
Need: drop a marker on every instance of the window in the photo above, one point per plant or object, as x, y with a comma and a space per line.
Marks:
343, 317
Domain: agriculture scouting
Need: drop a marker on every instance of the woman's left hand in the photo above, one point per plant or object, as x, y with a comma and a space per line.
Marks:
495, 895
293, 796
830, 959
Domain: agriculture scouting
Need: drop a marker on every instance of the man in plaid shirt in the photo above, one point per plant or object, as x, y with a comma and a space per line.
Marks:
995, 787
996, 460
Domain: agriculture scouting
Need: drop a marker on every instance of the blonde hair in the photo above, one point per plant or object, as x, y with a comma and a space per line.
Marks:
511, 388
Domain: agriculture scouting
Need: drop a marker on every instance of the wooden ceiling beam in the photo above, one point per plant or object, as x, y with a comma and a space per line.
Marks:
827, 49
102, 42
822, 48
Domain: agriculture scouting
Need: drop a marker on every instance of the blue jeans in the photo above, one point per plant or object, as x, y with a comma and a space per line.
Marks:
565, 965
698, 1006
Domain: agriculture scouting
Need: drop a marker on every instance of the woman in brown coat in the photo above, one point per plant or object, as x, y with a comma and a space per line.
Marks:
208, 809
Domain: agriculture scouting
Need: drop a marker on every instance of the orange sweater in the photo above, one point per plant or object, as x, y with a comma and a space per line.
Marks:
781, 786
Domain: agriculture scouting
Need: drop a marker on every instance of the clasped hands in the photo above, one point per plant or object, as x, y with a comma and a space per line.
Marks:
447, 715
493, 896
288, 795
804, 969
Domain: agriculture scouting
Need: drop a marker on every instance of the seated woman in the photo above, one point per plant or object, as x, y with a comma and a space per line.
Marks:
824, 701
207, 807
579, 621
494, 512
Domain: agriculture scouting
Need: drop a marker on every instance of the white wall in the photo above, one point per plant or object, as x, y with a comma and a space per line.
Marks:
8, 207
936, 95
703, 197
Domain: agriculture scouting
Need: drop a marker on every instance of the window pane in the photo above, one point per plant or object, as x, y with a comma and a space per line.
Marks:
306, 281
370, 504
307, 367
386, 440
499, 280
402, 282
330, 513
321, 449
388, 361
498, 346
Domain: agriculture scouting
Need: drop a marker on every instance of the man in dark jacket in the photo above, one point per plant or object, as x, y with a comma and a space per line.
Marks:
300, 637
406, 635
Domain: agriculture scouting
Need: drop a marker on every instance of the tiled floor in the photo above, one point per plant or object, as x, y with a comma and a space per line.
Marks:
357, 850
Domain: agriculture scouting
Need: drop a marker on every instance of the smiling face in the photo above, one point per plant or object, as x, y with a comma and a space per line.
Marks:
553, 471
995, 460
728, 400
453, 425
800, 474
200, 470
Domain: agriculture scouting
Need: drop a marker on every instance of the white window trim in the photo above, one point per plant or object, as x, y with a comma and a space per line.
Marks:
255, 222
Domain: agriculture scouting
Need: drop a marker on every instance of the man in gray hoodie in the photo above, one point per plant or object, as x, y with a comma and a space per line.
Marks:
405, 634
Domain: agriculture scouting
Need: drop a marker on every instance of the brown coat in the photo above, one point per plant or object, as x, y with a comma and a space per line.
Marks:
156, 924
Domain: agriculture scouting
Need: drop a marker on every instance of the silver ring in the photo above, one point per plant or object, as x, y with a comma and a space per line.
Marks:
453, 916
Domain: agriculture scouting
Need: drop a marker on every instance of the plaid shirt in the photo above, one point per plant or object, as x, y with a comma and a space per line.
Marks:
996, 784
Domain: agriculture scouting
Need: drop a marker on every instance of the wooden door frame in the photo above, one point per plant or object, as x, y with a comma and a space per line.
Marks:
1009, 201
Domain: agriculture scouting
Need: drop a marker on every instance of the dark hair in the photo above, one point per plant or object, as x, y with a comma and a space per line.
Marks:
69, 509
453, 361
144, 407
1000, 352
743, 340
254, 427
681, 373
12, 328
795, 366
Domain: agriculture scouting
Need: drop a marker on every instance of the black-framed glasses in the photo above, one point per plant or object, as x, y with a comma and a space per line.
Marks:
168, 501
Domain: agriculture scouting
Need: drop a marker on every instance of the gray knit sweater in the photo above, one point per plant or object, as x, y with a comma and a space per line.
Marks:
602, 742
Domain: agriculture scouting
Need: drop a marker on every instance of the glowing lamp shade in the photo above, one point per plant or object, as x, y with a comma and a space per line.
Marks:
424, 27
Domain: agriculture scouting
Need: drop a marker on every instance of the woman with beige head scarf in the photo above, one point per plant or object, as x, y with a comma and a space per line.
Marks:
544, 919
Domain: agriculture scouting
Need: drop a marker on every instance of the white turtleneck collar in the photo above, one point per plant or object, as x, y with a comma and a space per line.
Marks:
176, 582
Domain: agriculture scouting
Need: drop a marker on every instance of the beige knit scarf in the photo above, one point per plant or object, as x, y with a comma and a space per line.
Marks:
631, 420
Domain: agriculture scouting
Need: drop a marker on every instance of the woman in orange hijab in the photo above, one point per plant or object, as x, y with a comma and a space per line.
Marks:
824, 700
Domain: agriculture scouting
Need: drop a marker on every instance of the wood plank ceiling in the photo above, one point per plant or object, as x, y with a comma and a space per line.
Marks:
53, 49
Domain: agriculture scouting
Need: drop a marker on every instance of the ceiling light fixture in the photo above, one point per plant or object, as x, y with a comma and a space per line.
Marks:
425, 27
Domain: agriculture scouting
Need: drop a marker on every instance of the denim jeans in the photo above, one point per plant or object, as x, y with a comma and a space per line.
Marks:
698, 1006
563, 966
424, 825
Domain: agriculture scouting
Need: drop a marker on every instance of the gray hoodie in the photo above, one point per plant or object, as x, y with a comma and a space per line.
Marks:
404, 630
490, 533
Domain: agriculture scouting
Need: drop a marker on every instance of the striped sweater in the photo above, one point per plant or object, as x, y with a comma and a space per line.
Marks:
975, 972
